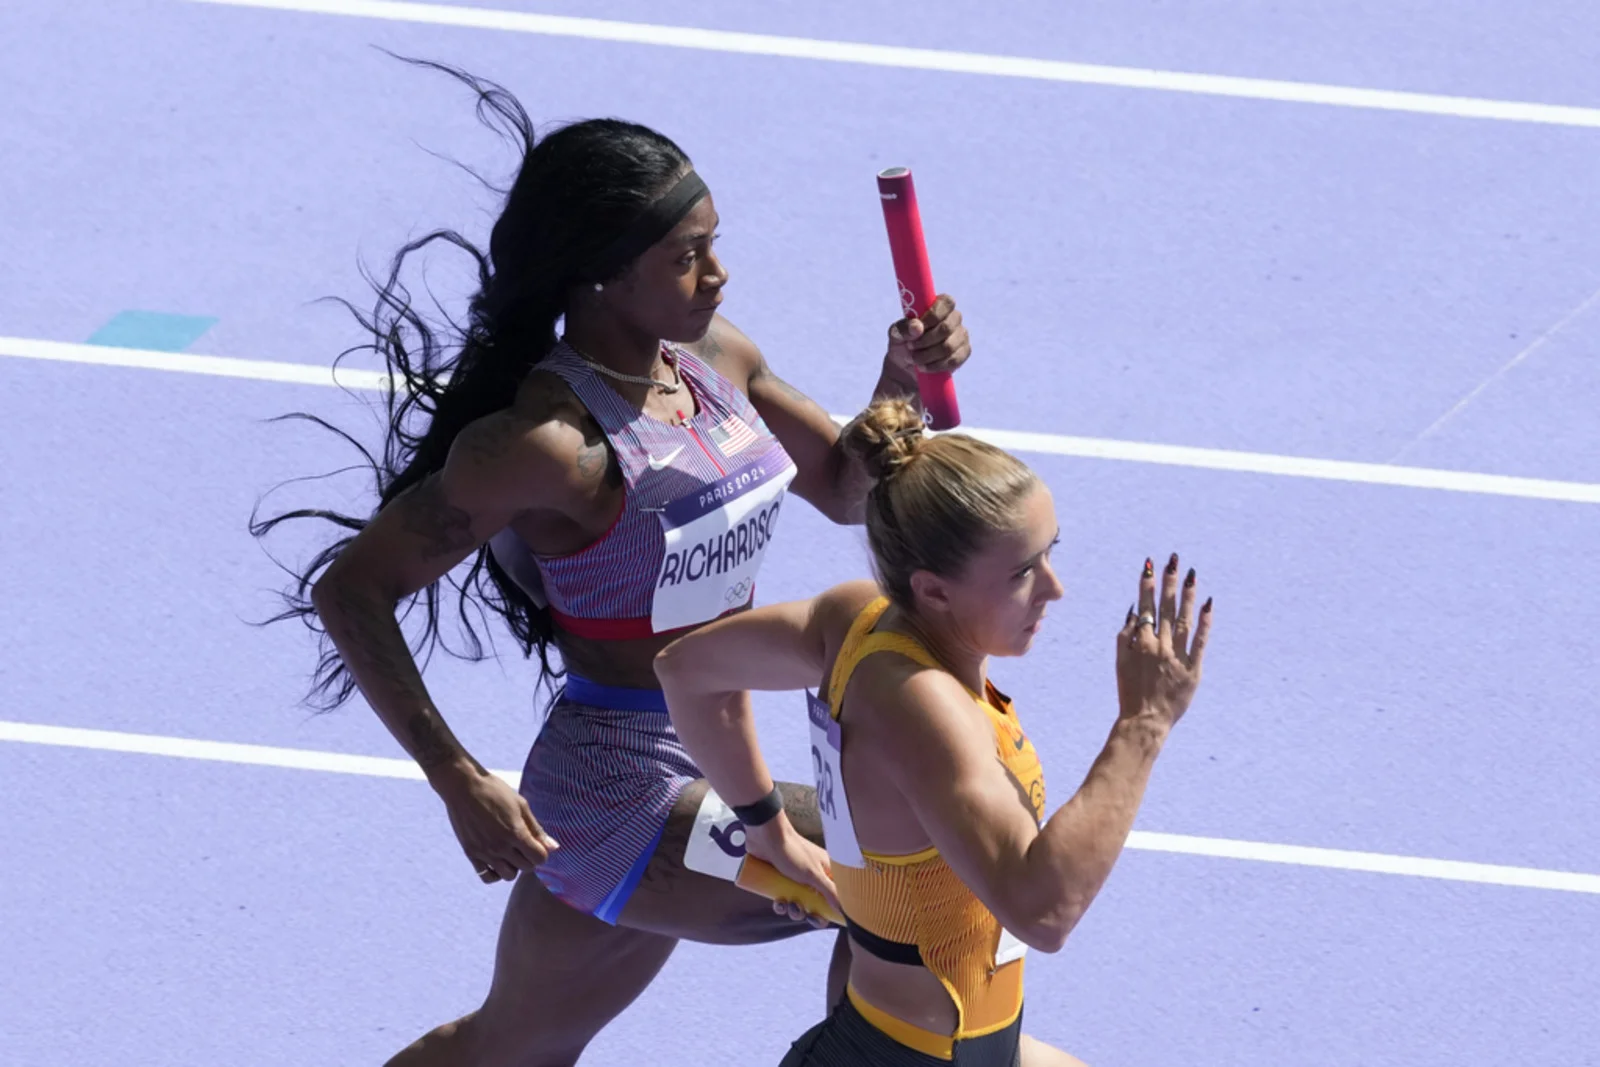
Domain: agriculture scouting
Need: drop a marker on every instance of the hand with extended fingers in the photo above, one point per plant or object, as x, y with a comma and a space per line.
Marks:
1159, 651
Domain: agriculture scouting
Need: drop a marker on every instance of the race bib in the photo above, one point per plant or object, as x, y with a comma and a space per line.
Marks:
716, 843
838, 830
1009, 948
716, 539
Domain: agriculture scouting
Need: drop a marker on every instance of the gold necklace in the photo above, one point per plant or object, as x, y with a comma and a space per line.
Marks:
665, 387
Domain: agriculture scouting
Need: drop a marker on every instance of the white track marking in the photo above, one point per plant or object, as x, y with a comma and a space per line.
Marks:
300, 759
877, 55
185, 363
1015, 440
1369, 862
1538, 343
1141, 840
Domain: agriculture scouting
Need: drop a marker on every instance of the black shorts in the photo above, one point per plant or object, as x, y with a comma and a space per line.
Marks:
847, 1039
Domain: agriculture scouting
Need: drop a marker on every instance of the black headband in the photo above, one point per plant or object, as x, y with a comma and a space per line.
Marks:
655, 223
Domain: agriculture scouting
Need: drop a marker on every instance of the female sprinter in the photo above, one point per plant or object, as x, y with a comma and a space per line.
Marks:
610, 488
933, 834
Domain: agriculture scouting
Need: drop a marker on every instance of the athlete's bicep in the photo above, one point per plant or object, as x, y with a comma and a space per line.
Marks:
942, 759
491, 474
775, 647
778, 647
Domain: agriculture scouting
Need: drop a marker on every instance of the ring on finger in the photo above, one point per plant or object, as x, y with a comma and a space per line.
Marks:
1147, 619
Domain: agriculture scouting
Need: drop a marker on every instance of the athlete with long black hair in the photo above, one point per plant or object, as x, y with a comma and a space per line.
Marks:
611, 486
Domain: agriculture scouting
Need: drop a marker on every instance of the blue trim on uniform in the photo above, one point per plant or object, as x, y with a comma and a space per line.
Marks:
610, 909
615, 697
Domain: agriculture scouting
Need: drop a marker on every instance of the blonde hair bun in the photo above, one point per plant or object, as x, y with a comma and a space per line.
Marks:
885, 437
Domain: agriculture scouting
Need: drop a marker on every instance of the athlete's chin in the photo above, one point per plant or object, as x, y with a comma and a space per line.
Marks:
1016, 646
1024, 640
695, 326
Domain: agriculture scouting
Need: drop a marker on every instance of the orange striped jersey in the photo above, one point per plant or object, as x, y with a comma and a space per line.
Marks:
913, 908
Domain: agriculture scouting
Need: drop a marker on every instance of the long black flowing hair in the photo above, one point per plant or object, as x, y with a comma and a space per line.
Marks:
577, 188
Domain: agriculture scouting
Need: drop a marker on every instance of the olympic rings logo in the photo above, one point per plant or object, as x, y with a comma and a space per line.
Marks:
908, 300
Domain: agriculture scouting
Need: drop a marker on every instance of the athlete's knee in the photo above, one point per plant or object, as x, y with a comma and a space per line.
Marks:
800, 806
511, 1035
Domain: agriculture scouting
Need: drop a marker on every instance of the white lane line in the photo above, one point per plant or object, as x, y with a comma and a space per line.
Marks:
300, 759
1333, 470
185, 363
875, 55
1143, 840
1369, 862
1014, 440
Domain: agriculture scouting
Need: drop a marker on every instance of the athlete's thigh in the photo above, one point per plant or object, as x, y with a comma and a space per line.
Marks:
1036, 1053
675, 901
560, 975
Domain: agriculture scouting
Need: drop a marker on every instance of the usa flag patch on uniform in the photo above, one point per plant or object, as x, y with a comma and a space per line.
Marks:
733, 435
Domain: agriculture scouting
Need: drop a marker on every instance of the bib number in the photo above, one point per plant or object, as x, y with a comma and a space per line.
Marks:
716, 539
1009, 949
838, 831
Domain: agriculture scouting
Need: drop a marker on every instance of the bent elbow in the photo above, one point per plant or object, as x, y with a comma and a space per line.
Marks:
1044, 937
666, 663
675, 671
1047, 930
848, 511
324, 593
338, 592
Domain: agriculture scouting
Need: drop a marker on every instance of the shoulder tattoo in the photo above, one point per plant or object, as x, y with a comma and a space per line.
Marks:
444, 528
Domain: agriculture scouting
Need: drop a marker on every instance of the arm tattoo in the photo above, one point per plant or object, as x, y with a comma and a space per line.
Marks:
764, 373
430, 741
445, 528
710, 347
368, 633
800, 805
374, 649
493, 437
592, 458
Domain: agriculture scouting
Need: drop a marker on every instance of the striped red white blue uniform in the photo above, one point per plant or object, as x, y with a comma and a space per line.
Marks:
608, 590
701, 503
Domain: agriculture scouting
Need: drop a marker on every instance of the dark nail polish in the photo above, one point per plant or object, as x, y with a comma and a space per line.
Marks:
1206, 606
1149, 568
1172, 564
1130, 613
1188, 583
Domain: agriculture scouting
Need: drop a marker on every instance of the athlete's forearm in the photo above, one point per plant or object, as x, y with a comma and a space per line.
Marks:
363, 628
893, 384
719, 732
849, 479
1070, 860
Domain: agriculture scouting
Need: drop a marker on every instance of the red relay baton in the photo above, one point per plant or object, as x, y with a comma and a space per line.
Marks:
915, 277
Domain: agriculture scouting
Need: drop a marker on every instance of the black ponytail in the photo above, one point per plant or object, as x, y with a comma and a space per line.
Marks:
577, 188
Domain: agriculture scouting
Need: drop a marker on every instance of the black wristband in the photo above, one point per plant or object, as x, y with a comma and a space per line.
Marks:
762, 811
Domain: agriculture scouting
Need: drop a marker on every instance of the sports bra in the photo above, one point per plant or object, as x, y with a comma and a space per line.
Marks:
700, 506
913, 908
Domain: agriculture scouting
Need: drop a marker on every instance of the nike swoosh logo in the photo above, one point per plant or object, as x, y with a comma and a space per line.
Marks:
661, 464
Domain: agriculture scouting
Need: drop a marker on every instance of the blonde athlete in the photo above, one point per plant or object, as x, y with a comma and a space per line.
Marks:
932, 797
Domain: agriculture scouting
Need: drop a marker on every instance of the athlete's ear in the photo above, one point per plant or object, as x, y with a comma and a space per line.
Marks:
931, 593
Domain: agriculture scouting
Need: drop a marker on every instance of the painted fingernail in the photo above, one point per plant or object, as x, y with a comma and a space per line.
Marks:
1206, 606
1188, 583
1149, 568
1172, 564
1130, 613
